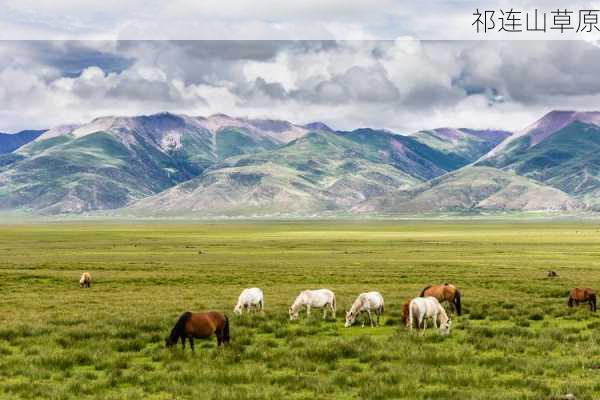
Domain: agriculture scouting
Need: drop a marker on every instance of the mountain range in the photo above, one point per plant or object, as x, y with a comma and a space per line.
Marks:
167, 164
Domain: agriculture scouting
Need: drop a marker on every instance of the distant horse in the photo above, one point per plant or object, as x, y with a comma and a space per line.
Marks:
422, 308
583, 295
365, 303
199, 326
552, 274
321, 298
445, 292
86, 280
250, 298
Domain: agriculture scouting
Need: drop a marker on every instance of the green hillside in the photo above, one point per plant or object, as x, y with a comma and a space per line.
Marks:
474, 189
321, 171
466, 145
567, 160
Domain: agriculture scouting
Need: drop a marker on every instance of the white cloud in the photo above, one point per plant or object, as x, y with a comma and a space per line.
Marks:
402, 85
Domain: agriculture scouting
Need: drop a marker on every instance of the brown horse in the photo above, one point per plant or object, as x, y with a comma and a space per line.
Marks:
583, 295
199, 326
444, 292
405, 313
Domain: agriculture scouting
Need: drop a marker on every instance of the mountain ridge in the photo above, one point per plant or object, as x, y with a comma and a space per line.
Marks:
174, 164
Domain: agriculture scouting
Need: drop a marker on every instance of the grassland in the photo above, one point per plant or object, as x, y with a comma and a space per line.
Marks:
516, 340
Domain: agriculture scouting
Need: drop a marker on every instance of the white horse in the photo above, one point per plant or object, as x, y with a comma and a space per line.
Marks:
250, 298
86, 280
321, 298
421, 308
365, 302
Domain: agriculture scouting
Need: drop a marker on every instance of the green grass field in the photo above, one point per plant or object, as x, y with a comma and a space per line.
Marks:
516, 339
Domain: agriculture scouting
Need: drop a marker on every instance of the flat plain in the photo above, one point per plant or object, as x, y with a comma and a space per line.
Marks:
516, 339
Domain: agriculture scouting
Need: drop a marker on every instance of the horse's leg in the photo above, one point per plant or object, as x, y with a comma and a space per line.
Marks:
191, 339
435, 321
308, 310
182, 342
325, 312
370, 317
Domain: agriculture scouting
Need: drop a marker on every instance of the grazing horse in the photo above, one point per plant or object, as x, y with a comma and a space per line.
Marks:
364, 303
250, 298
552, 274
199, 326
321, 298
86, 280
583, 295
421, 308
445, 292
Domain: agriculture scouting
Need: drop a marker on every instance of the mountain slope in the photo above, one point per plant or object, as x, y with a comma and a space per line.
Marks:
9, 142
218, 165
115, 160
467, 144
473, 189
565, 158
404, 153
318, 172
541, 129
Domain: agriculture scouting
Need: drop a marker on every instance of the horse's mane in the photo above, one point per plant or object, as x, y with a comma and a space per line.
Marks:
423, 291
179, 327
358, 302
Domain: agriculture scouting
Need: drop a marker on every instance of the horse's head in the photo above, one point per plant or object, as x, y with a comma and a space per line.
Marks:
293, 314
237, 309
445, 327
350, 318
169, 343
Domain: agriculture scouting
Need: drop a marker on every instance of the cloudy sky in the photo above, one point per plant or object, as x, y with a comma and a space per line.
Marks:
263, 19
402, 85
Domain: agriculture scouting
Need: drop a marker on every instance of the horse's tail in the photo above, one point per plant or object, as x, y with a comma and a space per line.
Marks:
410, 315
423, 291
334, 306
593, 301
226, 336
179, 328
457, 304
